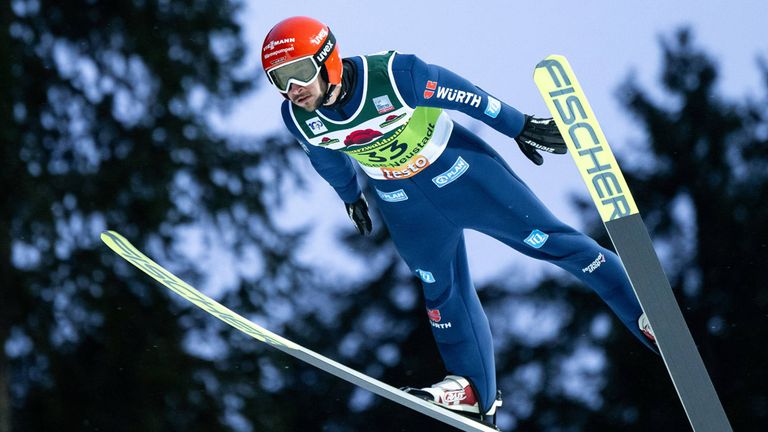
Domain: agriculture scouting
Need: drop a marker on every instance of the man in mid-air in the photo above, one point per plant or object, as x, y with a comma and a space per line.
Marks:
433, 179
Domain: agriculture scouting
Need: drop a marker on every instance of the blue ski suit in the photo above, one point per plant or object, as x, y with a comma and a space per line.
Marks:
468, 186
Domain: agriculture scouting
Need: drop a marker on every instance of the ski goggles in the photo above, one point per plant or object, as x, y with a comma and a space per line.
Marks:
302, 71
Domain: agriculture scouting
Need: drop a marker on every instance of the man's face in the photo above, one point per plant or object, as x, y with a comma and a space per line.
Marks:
308, 97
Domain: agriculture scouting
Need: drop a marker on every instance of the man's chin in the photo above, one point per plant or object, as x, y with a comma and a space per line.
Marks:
310, 106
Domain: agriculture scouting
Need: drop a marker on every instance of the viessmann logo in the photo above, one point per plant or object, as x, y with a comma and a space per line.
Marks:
272, 44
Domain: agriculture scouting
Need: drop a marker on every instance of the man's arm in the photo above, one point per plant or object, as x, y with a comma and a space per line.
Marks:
422, 84
335, 167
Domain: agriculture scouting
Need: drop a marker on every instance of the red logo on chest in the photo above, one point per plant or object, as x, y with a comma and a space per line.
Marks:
434, 315
430, 90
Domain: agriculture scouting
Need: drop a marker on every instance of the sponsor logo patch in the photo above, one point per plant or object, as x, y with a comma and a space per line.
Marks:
456, 171
316, 39
452, 95
327, 48
316, 125
434, 315
435, 318
391, 119
597, 164
272, 44
383, 104
536, 239
394, 196
454, 397
429, 91
425, 276
278, 52
594, 265
413, 167
361, 136
493, 108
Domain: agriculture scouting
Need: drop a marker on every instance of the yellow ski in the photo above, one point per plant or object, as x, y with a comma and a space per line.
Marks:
125, 249
598, 167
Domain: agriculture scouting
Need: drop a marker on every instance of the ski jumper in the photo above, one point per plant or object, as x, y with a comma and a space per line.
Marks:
433, 179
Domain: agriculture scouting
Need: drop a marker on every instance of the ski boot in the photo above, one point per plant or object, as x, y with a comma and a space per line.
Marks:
645, 327
456, 394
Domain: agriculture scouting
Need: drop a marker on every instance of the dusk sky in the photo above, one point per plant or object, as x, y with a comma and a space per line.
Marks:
122, 117
496, 45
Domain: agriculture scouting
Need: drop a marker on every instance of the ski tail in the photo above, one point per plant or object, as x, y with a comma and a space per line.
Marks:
585, 138
609, 190
126, 250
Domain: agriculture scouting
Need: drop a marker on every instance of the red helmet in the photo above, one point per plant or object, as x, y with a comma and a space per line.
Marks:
296, 50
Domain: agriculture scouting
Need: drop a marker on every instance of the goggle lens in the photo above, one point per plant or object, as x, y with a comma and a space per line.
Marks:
302, 72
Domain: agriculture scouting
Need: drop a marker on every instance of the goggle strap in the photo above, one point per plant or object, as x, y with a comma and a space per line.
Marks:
325, 49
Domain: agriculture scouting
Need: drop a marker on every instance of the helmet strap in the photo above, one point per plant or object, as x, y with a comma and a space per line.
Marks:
331, 87
328, 93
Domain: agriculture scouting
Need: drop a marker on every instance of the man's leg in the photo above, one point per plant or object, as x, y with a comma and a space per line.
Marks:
434, 249
498, 203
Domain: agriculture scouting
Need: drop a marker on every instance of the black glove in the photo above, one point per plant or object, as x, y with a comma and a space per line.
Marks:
358, 212
540, 134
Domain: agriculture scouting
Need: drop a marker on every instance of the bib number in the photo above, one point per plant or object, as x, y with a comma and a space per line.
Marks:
383, 154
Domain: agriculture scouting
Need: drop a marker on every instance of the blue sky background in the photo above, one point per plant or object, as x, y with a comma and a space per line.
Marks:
496, 44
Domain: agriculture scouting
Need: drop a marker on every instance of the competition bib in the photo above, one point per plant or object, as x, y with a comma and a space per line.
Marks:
389, 139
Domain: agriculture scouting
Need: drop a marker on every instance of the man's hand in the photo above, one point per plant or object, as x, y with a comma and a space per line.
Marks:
540, 134
358, 212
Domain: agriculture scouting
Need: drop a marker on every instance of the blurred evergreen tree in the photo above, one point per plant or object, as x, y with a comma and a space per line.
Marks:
104, 110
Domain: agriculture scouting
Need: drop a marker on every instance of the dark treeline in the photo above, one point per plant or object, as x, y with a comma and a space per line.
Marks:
103, 107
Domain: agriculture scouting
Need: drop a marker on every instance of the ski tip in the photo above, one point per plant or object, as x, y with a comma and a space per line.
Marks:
558, 58
110, 237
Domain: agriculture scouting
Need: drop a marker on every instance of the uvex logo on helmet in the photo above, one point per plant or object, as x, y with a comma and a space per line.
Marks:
319, 37
326, 49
